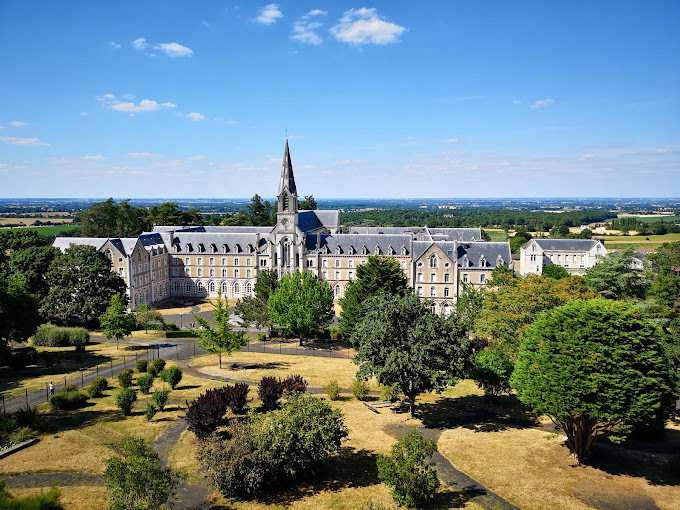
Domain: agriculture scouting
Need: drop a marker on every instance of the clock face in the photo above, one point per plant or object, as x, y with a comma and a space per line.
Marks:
285, 222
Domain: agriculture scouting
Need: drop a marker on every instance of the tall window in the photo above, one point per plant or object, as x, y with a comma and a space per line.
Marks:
433, 260
420, 291
199, 261
337, 262
433, 277
350, 275
350, 263
447, 277
212, 272
224, 261
186, 261
324, 263
482, 278
446, 292
466, 278
324, 275
212, 261
200, 272
248, 273
337, 275
224, 273
433, 291
236, 261
236, 273
420, 277
248, 262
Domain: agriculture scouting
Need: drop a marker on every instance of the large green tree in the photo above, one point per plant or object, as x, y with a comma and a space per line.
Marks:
146, 314
595, 368
111, 219
81, 284
401, 342
31, 264
169, 213
377, 275
259, 212
614, 277
117, 322
308, 204
218, 336
508, 311
665, 286
254, 310
301, 304
19, 317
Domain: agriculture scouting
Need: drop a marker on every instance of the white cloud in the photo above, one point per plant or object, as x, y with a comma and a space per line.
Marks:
106, 97
363, 26
542, 103
94, 158
83, 114
516, 101
269, 14
18, 123
348, 162
453, 140
145, 105
148, 155
196, 158
205, 23
195, 116
22, 141
140, 43
114, 45
304, 29
174, 50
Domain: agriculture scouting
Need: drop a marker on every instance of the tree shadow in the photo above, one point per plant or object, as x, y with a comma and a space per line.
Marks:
637, 459
349, 468
61, 421
476, 413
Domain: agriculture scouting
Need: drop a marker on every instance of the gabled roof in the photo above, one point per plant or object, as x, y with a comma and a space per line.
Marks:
63, 243
182, 239
357, 241
564, 244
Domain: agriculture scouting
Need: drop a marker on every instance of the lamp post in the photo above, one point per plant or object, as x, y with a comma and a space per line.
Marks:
180, 320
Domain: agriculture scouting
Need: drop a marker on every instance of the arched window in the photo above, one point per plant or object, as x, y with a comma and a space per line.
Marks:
237, 288
433, 260
249, 288
211, 286
225, 288
285, 201
338, 290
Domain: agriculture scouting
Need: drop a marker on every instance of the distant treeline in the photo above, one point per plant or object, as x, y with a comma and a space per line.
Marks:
660, 227
474, 217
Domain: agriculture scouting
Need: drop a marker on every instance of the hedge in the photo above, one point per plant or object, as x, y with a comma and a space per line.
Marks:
49, 335
181, 334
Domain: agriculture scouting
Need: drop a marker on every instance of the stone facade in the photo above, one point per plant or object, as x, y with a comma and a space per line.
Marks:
574, 255
176, 261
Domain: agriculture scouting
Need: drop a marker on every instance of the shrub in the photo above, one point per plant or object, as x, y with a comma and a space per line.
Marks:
125, 378
172, 376
44, 501
270, 391
234, 467
332, 390
261, 337
300, 437
7, 424
156, 366
181, 334
68, 388
160, 398
205, 413
150, 411
124, 400
141, 365
237, 397
21, 435
26, 417
135, 478
491, 371
389, 392
68, 400
294, 384
408, 471
334, 333
360, 389
79, 337
49, 335
97, 387
145, 381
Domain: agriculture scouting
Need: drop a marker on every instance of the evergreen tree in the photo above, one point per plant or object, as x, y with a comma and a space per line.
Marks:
116, 321
217, 336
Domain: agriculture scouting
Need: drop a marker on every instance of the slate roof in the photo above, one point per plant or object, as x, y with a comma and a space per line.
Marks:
424, 233
63, 243
357, 241
490, 251
564, 244
195, 239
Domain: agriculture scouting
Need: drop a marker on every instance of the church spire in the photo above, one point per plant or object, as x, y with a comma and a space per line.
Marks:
287, 189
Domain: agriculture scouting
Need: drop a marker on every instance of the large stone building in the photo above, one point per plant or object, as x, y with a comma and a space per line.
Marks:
176, 261
574, 255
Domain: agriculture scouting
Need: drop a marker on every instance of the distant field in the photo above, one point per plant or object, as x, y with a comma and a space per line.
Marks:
51, 230
652, 219
63, 217
651, 242
497, 235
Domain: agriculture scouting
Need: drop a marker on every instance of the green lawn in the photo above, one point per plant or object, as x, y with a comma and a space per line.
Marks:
52, 230
497, 237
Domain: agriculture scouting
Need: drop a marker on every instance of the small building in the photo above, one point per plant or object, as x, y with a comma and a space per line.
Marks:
574, 255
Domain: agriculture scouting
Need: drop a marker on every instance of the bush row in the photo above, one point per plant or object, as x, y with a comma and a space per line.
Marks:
49, 335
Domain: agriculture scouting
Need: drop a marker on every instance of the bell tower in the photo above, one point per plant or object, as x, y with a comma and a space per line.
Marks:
288, 239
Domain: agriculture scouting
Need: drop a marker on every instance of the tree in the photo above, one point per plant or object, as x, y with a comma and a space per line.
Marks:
136, 480
169, 213
99, 220
116, 321
19, 317
555, 272
308, 204
145, 314
378, 274
491, 371
81, 284
31, 265
595, 368
259, 211
614, 277
520, 238
665, 286
301, 303
12, 240
501, 275
485, 235
409, 470
469, 305
400, 341
254, 310
508, 311
217, 336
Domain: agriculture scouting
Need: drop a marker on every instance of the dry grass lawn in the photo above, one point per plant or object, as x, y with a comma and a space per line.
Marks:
317, 371
85, 497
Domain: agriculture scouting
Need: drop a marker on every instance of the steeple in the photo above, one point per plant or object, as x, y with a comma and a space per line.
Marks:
287, 189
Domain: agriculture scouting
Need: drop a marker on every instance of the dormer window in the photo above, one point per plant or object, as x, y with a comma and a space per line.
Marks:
237, 248
351, 250
390, 250
225, 248
213, 248
376, 250
188, 247
466, 262
500, 261
403, 251
338, 250
201, 248
364, 251
482, 261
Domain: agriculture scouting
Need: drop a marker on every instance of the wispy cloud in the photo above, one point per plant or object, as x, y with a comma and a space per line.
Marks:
18, 123
364, 26
22, 141
269, 14
114, 45
139, 44
348, 162
145, 105
196, 158
542, 103
453, 140
95, 157
174, 49
195, 116
147, 155
83, 114
304, 28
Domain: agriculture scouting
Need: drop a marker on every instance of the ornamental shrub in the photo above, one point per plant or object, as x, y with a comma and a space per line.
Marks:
160, 398
145, 381
141, 365
49, 335
68, 400
360, 389
408, 470
205, 413
69, 388
97, 387
124, 400
261, 337
294, 384
7, 424
270, 390
237, 397
389, 393
172, 376
156, 366
125, 378
150, 411
332, 390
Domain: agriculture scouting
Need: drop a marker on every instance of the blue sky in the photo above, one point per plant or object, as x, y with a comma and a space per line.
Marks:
451, 98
